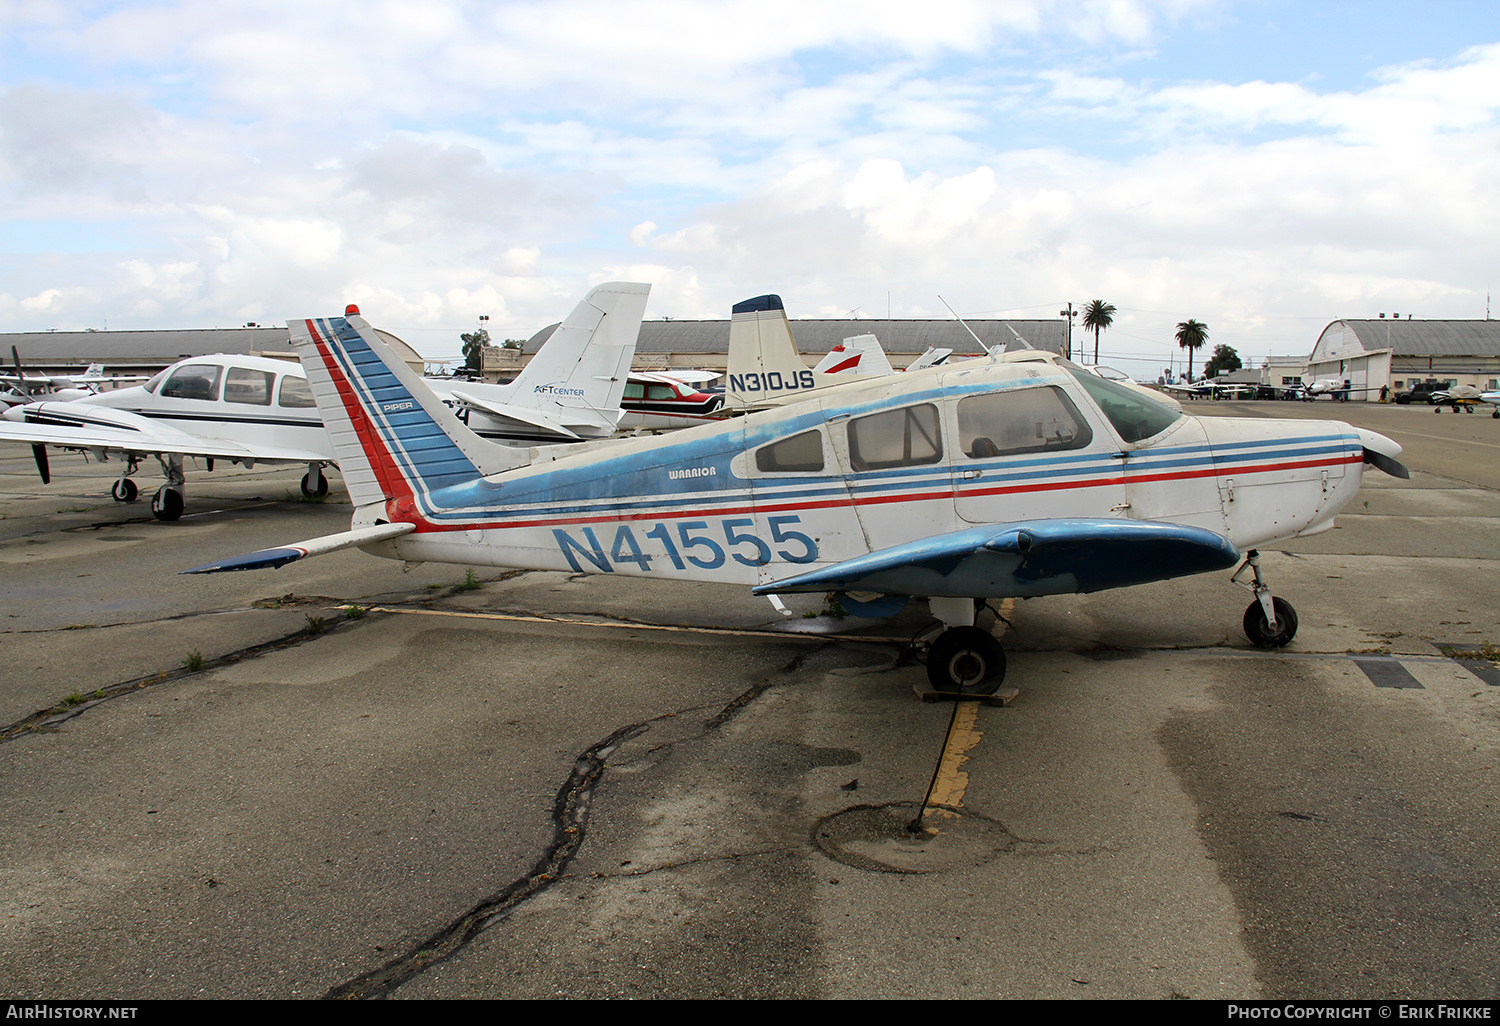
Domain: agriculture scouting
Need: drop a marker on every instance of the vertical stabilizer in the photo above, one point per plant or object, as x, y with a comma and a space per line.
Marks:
392, 438
764, 365
584, 365
860, 355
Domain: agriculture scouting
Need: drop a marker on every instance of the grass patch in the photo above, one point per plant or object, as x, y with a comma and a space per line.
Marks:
353, 611
471, 582
316, 624
194, 661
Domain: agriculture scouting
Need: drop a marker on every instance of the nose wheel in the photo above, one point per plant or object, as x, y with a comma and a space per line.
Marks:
124, 490
314, 484
1270, 622
1262, 632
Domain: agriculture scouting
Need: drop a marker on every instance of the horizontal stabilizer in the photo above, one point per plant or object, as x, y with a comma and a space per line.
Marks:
282, 555
512, 412
1044, 557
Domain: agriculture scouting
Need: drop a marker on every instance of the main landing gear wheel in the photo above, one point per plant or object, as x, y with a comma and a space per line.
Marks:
123, 490
166, 504
966, 661
1259, 631
318, 488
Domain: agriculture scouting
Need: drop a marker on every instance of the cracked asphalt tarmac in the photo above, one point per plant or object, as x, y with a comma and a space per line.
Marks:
234, 786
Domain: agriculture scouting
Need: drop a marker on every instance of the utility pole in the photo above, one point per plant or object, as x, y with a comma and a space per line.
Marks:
1069, 313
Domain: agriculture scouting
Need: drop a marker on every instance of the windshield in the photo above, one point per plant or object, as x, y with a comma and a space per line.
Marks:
1134, 414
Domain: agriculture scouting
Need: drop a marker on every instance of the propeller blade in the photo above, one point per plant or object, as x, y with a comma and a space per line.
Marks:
40, 452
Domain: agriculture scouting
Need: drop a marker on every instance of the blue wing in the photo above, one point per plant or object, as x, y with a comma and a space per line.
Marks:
1045, 557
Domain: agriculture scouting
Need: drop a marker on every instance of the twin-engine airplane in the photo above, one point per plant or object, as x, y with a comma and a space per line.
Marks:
240, 409
249, 410
959, 485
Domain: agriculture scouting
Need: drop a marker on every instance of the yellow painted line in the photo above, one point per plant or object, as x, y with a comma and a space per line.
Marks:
952, 782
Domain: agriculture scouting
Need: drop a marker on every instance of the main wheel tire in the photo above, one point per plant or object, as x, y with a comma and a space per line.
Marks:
124, 490
1259, 631
966, 661
166, 504
317, 488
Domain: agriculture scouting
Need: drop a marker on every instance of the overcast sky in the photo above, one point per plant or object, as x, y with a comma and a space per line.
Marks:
1261, 166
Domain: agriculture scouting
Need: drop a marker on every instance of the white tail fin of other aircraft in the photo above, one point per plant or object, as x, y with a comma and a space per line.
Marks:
573, 386
858, 355
765, 368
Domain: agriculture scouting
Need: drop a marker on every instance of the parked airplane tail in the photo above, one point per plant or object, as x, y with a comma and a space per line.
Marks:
586, 361
764, 365
858, 355
392, 438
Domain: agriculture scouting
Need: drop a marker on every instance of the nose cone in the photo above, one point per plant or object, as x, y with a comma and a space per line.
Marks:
1378, 443
1381, 453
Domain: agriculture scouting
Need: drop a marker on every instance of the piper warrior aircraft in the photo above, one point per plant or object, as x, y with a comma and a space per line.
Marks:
958, 485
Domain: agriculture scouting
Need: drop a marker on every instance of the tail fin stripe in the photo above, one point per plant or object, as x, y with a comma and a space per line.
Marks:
413, 444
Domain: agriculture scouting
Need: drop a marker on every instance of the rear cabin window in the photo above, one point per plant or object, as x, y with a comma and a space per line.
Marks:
252, 387
635, 391
193, 381
295, 394
896, 438
802, 453
1019, 421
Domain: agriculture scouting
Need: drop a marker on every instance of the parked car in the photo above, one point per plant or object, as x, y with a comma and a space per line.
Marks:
1423, 392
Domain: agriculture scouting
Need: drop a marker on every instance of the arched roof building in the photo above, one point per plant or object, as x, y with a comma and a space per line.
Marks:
1371, 353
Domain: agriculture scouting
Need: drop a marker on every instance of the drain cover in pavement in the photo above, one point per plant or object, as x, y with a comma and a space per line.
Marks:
876, 838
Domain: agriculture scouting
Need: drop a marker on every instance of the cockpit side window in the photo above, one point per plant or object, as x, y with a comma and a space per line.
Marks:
295, 394
1134, 415
895, 438
252, 387
155, 382
1019, 421
193, 381
801, 453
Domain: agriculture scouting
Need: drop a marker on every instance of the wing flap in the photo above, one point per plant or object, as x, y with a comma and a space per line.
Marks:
1045, 557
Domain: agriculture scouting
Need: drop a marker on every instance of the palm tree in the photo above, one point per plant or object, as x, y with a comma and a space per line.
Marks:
1098, 315
1191, 335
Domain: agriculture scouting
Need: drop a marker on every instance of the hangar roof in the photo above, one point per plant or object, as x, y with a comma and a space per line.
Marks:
816, 337
1343, 338
48, 350
44, 348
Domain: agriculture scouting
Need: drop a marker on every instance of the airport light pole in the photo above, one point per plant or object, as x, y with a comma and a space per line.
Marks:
1069, 313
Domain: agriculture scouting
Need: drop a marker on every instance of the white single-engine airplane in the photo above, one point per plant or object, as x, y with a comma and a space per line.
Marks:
960, 485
